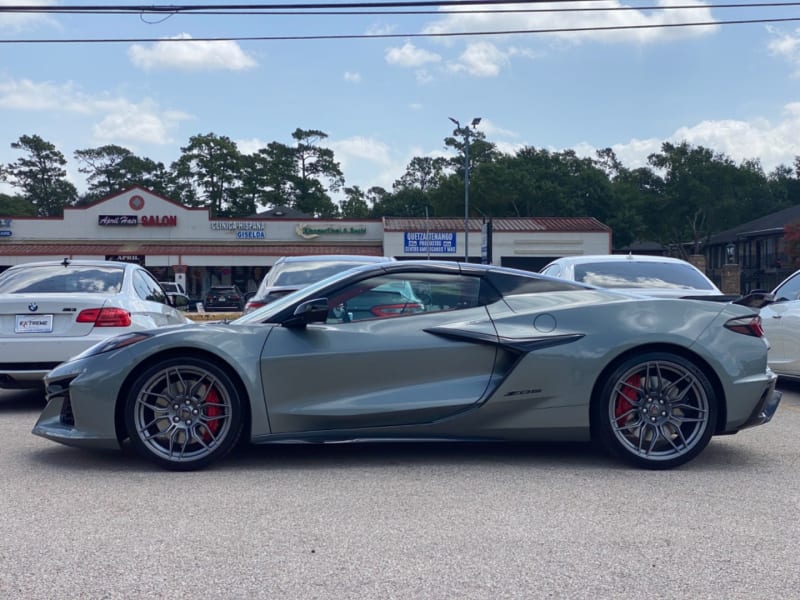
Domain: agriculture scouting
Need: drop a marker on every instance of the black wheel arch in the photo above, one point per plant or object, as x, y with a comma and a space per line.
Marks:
697, 360
119, 408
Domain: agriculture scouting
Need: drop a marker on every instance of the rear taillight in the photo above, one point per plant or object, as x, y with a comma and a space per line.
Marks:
392, 310
750, 325
105, 317
250, 306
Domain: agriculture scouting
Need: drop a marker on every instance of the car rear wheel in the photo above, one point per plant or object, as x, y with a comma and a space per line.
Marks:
655, 411
183, 413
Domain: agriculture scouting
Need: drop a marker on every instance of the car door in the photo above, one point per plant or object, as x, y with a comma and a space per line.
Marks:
151, 304
381, 366
781, 323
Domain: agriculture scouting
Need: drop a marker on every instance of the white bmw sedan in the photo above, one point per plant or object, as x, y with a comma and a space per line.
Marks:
51, 311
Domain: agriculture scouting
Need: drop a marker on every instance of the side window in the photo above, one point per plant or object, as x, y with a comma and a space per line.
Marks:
552, 270
403, 294
148, 288
789, 290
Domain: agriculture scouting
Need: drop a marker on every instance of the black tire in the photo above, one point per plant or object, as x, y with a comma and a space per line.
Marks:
183, 413
655, 411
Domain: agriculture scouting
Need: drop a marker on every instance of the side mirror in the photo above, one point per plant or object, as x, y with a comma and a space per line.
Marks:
310, 311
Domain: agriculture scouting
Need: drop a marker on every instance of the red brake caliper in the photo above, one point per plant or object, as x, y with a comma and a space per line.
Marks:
625, 399
212, 411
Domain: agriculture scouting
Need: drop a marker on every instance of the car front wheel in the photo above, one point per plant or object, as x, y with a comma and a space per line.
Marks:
655, 411
183, 413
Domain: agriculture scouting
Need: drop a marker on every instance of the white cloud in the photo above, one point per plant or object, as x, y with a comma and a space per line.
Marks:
481, 59
773, 144
380, 29
250, 146
471, 21
17, 22
191, 55
423, 76
361, 148
352, 77
27, 95
786, 46
120, 120
139, 123
491, 130
408, 55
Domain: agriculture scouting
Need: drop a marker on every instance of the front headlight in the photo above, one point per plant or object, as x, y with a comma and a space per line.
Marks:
114, 343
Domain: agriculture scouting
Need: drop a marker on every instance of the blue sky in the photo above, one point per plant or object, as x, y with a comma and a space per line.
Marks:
382, 101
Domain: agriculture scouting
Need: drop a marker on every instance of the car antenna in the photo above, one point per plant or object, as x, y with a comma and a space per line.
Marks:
65, 262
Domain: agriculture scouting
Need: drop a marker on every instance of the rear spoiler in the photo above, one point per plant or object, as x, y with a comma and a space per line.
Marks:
755, 299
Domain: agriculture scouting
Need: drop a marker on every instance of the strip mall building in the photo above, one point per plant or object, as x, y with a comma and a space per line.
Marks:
190, 246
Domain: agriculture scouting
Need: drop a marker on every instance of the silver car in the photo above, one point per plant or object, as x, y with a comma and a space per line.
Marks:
50, 311
479, 352
781, 321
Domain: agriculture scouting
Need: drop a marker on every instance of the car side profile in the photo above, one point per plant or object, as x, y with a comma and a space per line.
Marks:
425, 350
50, 311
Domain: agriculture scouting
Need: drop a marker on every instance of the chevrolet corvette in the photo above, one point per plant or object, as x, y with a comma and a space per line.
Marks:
425, 350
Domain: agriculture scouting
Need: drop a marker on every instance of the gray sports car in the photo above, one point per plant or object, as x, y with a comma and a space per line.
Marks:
425, 350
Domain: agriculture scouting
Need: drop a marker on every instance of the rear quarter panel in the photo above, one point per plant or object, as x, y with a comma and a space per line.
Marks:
551, 388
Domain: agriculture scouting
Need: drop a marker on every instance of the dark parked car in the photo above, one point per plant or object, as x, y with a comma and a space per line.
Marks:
224, 298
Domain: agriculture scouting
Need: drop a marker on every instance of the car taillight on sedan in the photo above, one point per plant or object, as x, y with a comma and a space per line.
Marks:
105, 317
750, 325
251, 306
392, 310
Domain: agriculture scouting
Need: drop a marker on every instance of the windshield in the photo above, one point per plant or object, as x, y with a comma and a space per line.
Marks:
273, 308
58, 279
306, 272
642, 275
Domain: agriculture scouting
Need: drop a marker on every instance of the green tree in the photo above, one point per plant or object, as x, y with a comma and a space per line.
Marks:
422, 173
208, 174
705, 192
111, 169
41, 176
16, 206
313, 164
354, 205
268, 176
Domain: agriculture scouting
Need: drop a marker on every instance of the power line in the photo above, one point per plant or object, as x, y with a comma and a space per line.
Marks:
188, 8
362, 8
471, 11
362, 36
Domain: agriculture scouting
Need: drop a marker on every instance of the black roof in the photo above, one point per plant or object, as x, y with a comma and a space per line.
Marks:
768, 224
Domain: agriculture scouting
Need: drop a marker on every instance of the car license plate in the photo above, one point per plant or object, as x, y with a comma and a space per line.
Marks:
34, 324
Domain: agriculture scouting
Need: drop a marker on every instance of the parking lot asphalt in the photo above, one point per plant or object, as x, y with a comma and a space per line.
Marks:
408, 520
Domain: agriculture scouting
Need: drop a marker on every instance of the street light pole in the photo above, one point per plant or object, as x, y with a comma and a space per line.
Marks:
466, 134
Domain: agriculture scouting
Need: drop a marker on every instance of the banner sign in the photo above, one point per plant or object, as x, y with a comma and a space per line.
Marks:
434, 242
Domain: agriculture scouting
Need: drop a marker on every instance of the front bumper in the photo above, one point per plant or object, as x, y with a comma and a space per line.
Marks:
74, 415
